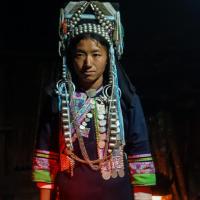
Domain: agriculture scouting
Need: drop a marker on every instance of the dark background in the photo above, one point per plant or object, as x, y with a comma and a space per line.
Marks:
162, 46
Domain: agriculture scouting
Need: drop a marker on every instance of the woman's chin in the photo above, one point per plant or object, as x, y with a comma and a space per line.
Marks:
88, 79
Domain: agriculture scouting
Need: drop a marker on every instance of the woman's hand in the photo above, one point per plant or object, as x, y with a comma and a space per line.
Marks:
142, 193
142, 196
45, 194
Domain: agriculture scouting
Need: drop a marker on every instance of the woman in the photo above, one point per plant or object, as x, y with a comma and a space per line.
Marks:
97, 121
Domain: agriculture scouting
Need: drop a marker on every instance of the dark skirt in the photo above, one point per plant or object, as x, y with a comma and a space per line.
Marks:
87, 184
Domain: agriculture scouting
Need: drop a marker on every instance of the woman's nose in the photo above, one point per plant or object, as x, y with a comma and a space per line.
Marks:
88, 60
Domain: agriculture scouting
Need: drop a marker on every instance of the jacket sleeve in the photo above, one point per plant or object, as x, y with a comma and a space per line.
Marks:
46, 154
137, 147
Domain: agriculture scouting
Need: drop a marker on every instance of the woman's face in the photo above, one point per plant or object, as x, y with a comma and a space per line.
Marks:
90, 60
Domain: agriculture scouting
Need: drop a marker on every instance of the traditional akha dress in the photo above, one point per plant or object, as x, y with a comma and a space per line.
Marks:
53, 169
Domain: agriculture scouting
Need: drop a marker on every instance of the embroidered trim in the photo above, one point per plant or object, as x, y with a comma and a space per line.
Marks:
142, 169
139, 156
43, 176
45, 185
45, 166
45, 152
143, 179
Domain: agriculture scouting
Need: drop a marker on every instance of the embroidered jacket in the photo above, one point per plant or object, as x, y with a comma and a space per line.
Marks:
48, 159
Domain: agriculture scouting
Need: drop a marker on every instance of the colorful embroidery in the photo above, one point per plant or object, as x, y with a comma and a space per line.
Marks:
81, 106
45, 166
139, 156
41, 163
142, 169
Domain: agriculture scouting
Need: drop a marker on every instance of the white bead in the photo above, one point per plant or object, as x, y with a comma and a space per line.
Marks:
82, 127
84, 123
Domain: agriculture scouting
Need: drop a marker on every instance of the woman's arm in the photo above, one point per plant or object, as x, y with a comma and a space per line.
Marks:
142, 170
46, 153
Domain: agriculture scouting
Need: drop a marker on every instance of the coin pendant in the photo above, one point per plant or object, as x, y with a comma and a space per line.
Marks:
102, 122
102, 129
121, 172
100, 116
114, 173
106, 175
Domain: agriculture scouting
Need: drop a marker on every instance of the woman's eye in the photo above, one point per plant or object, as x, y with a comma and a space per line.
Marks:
96, 55
79, 54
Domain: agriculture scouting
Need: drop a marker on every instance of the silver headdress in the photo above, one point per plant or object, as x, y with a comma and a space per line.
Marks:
107, 24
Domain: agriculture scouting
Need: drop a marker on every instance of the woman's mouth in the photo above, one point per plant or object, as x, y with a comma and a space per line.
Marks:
89, 73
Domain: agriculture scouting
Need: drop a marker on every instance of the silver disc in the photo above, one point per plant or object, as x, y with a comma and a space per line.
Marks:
121, 172
102, 129
114, 173
102, 122
100, 116
106, 175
